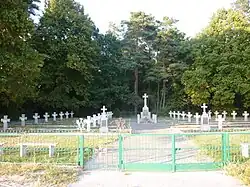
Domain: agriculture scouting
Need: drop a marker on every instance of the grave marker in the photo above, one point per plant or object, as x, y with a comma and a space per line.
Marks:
54, 116
61, 115
138, 118
5, 121
94, 120
197, 117
71, 114
234, 114
36, 117
224, 113
46, 116
216, 114
245, 114
80, 123
220, 122
67, 115
209, 114
178, 115
183, 115
189, 115
170, 114
88, 123
154, 117
204, 119
23, 118
204, 107
174, 113
104, 110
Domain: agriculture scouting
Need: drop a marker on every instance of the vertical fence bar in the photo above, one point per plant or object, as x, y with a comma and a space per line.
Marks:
81, 150
120, 164
225, 145
173, 153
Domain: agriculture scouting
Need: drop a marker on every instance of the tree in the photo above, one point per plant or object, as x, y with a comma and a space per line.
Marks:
68, 39
220, 73
138, 36
110, 86
20, 63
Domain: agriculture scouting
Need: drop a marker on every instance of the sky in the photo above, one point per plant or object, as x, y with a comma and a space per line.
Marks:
193, 15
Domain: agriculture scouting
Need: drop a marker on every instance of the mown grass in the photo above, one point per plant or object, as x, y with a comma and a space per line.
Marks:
211, 145
66, 151
38, 175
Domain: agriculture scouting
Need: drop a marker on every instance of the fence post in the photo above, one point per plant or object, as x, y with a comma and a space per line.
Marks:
173, 153
81, 150
225, 148
120, 164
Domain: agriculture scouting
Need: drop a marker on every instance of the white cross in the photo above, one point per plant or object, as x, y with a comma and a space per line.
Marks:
61, 115
103, 110
80, 123
99, 118
216, 114
67, 114
245, 114
209, 114
23, 118
36, 117
71, 114
204, 107
94, 120
145, 96
88, 122
183, 115
224, 113
5, 121
46, 116
54, 116
220, 122
178, 115
174, 113
197, 116
234, 114
170, 114
189, 115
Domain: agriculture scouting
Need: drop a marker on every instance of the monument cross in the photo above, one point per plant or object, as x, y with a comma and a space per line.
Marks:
204, 106
104, 110
145, 96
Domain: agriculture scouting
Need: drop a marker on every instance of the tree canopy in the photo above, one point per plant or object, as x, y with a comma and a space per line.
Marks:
64, 63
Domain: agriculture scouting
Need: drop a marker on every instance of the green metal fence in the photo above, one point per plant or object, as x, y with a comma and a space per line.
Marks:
180, 152
75, 149
129, 152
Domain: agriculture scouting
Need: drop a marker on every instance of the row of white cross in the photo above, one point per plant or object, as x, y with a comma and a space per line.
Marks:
46, 116
216, 113
94, 120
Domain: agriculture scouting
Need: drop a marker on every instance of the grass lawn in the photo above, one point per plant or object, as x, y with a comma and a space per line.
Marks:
66, 152
211, 145
37, 175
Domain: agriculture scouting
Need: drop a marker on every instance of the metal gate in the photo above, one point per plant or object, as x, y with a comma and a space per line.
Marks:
168, 152
178, 152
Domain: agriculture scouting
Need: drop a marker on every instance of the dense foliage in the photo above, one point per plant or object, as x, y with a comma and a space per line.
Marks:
64, 63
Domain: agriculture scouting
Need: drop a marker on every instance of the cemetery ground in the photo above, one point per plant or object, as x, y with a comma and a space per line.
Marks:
37, 167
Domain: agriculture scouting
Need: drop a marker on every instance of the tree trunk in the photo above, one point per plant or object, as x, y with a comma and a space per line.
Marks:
158, 98
136, 86
163, 94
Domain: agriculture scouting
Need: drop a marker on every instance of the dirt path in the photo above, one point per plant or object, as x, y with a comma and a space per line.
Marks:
154, 179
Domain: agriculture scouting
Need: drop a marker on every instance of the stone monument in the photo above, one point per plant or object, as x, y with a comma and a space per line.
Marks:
205, 119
